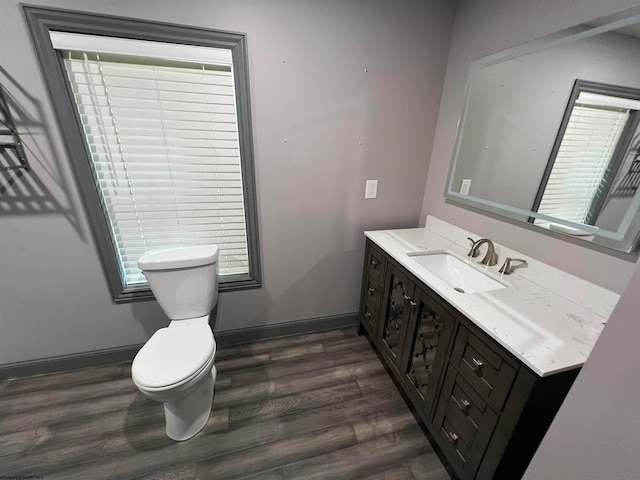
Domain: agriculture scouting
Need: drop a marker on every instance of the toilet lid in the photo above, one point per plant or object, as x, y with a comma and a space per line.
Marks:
172, 355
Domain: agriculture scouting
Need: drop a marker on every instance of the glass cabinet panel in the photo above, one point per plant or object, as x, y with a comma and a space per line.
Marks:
431, 336
397, 313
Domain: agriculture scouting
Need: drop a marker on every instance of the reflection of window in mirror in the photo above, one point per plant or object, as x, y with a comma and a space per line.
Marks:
595, 158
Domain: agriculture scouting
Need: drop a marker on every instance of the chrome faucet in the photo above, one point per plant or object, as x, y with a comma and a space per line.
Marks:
507, 268
490, 258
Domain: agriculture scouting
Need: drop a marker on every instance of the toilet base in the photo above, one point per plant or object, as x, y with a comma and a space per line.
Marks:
188, 415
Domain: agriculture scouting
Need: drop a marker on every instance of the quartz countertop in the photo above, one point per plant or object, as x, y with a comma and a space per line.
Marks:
548, 318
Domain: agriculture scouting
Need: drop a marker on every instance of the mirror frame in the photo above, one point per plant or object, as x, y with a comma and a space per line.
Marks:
627, 238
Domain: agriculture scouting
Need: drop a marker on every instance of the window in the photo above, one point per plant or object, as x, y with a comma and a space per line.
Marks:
160, 139
591, 145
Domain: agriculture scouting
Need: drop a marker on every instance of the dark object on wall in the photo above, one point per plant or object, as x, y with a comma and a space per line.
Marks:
11, 147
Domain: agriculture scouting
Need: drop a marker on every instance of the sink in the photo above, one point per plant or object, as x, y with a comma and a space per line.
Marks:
456, 272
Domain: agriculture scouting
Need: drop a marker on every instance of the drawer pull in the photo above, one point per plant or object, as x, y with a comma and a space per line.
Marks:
373, 264
464, 405
476, 365
452, 437
371, 290
409, 300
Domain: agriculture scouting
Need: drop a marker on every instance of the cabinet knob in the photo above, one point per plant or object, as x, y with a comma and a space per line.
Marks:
373, 264
476, 364
464, 405
452, 437
367, 315
371, 290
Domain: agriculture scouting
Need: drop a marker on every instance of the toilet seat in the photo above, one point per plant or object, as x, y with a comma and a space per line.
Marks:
173, 356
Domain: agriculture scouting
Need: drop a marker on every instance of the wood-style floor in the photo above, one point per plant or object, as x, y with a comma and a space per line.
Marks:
318, 406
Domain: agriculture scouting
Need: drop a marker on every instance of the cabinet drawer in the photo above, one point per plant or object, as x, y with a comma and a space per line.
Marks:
372, 291
484, 368
464, 457
370, 317
467, 410
375, 264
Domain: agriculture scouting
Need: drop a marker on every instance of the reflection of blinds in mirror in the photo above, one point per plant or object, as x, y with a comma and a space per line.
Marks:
588, 143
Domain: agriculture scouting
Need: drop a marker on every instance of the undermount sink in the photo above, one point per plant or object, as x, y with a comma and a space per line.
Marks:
456, 272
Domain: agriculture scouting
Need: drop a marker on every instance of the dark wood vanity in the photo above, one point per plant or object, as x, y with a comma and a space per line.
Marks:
485, 409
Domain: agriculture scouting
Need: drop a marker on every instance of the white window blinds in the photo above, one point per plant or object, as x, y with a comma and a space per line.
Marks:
163, 139
588, 144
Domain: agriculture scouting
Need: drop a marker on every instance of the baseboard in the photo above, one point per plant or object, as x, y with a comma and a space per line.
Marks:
110, 356
278, 330
66, 363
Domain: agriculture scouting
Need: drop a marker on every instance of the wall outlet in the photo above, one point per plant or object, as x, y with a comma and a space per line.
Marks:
371, 190
465, 186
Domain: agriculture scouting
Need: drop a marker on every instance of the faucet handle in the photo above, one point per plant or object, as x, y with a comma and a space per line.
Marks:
507, 268
474, 251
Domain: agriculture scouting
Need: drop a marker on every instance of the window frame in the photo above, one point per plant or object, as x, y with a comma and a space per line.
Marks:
40, 21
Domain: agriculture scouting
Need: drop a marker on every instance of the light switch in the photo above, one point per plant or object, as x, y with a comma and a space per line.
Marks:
465, 186
371, 190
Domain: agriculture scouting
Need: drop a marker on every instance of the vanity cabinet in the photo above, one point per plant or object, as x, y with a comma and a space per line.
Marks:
486, 410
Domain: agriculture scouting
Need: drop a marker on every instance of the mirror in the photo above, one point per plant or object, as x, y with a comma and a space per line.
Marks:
550, 134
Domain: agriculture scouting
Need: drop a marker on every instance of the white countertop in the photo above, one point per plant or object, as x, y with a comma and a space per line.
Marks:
548, 318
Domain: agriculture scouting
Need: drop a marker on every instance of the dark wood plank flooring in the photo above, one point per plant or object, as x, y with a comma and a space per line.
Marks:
318, 406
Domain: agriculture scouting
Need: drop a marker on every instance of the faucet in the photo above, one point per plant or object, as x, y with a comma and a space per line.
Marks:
507, 268
490, 258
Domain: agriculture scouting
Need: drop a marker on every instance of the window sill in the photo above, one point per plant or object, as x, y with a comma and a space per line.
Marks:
230, 284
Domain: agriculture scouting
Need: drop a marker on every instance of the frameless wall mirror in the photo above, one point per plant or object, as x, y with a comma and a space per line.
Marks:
550, 134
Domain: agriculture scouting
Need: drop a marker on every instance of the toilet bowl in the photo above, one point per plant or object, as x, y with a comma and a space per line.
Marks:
176, 365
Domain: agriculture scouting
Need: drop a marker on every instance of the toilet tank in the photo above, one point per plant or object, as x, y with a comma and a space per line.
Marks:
184, 280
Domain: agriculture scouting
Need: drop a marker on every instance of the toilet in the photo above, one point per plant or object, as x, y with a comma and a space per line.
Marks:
176, 365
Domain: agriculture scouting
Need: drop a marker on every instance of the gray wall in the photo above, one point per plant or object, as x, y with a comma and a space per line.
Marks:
341, 91
595, 434
480, 29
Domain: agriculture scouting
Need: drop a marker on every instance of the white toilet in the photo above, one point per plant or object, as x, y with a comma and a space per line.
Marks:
175, 366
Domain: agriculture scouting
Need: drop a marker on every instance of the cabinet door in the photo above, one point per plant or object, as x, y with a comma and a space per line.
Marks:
398, 307
431, 330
